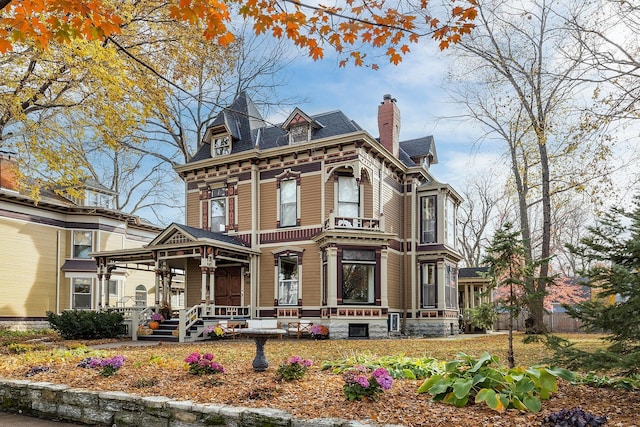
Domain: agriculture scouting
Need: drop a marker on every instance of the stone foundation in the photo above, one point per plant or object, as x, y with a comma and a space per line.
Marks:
118, 409
433, 328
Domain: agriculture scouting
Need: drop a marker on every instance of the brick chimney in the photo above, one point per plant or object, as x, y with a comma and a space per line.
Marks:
389, 124
8, 172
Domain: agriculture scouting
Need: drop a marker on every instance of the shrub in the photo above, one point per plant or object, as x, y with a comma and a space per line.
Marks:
357, 385
575, 417
293, 369
79, 324
203, 364
485, 380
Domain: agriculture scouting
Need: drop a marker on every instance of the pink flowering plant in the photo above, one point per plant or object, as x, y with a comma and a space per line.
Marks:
358, 384
202, 364
109, 366
214, 332
293, 369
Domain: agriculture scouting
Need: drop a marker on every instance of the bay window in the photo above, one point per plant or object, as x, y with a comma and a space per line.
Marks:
358, 276
429, 286
451, 287
428, 219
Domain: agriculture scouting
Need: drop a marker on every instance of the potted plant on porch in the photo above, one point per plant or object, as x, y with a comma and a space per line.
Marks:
156, 318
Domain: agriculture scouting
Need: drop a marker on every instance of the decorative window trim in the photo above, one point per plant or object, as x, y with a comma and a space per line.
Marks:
277, 256
288, 175
377, 279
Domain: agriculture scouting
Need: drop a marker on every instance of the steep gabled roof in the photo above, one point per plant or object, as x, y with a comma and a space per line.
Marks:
415, 149
194, 234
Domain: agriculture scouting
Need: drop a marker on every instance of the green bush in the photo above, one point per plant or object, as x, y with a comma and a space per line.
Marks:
77, 324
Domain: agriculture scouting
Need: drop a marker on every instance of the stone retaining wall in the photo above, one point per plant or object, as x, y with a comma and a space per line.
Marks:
118, 409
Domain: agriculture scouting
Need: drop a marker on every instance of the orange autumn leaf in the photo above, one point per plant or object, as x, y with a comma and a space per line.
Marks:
368, 22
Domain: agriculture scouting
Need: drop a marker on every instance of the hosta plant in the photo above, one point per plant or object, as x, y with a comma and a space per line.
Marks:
485, 380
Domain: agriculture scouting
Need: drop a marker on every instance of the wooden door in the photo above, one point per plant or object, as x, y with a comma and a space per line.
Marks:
228, 286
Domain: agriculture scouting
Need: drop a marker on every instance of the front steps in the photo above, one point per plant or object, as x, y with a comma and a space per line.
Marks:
166, 332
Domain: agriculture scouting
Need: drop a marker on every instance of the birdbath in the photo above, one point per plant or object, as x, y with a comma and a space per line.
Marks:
260, 336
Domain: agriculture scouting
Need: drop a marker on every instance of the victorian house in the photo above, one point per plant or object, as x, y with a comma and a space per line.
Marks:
45, 262
310, 219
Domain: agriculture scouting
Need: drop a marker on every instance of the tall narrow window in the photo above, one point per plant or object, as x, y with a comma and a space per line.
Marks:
348, 197
221, 145
450, 230
428, 219
358, 276
81, 293
218, 210
451, 286
429, 283
288, 203
288, 280
82, 244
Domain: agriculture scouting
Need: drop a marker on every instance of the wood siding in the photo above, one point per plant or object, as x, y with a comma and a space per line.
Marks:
193, 209
310, 200
268, 205
245, 209
28, 269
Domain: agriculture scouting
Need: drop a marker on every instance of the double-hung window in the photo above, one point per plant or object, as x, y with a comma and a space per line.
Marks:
348, 197
288, 280
288, 203
429, 286
451, 287
82, 244
358, 276
81, 293
218, 210
428, 219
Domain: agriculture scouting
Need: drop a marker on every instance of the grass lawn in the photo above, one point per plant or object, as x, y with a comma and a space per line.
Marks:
160, 370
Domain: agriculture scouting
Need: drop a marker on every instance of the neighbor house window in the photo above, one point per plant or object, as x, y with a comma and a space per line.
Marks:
348, 197
113, 288
82, 244
451, 286
218, 210
428, 219
141, 296
288, 280
358, 276
221, 145
429, 286
81, 293
288, 203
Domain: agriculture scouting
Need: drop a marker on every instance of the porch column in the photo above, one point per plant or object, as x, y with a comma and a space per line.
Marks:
99, 285
158, 281
203, 292
212, 285
105, 289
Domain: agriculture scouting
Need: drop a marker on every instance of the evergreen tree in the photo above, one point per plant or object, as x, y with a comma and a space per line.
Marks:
612, 252
505, 259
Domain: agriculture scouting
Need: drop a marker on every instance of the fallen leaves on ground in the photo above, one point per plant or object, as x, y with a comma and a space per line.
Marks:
160, 370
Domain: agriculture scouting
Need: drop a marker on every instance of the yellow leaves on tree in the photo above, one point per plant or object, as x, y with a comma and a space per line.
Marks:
357, 23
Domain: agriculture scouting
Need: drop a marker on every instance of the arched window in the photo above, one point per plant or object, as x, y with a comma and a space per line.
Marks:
141, 296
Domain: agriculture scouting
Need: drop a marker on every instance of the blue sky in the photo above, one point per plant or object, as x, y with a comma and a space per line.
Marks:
416, 84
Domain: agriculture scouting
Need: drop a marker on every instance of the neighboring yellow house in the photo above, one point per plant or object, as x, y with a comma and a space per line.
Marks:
44, 253
313, 219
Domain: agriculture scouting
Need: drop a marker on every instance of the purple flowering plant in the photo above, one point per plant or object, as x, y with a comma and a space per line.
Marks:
157, 317
293, 369
108, 366
201, 364
358, 383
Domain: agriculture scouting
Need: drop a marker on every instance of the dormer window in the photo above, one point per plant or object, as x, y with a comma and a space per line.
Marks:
221, 145
426, 162
299, 133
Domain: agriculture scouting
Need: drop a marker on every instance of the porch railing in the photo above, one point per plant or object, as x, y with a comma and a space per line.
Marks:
360, 223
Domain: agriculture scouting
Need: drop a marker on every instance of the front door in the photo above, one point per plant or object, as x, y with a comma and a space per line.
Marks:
228, 286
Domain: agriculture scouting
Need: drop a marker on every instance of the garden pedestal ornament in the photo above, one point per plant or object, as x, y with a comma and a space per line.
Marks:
260, 336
